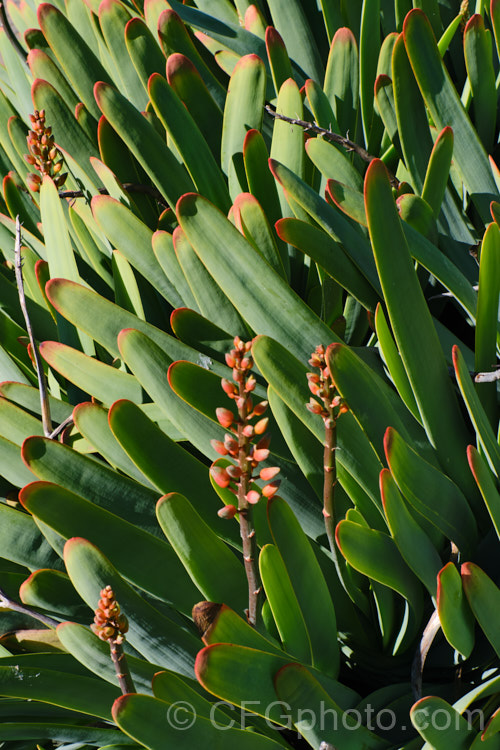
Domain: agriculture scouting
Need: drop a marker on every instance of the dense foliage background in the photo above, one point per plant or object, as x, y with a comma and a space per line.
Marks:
316, 180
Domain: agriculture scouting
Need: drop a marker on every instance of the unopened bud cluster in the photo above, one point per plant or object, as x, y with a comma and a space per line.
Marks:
245, 441
325, 401
43, 153
109, 623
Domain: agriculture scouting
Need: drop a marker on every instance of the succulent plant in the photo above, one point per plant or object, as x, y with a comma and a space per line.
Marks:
238, 206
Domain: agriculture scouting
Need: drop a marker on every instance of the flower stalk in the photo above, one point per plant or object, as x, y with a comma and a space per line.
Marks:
326, 403
248, 445
110, 625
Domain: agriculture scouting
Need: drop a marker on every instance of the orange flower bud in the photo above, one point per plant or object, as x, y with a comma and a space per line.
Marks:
219, 446
260, 454
269, 473
260, 408
227, 512
261, 426
271, 489
224, 417
253, 497
220, 476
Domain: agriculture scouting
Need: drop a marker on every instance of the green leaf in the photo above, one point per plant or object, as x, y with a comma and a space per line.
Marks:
212, 566
371, 400
113, 17
189, 141
479, 63
63, 733
331, 220
486, 484
438, 170
415, 334
93, 653
121, 540
163, 248
77, 60
375, 555
243, 111
155, 636
252, 222
145, 143
132, 237
210, 298
143, 49
413, 543
455, 616
17, 424
22, 542
102, 381
369, 49
174, 38
59, 250
153, 723
84, 694
263, 298
431, 492
308, 704
487, 318
485, 436
54, 462
330, 255
92, 422
287, 145
393, 362
284, 605
238, 674
277, 54
168, 466
288, 377
308, 585
53, 591
445, 109
223, 625
440, 725
99, 317
342, 80
483, 597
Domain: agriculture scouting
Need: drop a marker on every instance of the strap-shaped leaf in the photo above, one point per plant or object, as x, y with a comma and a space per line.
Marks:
440, 725
412, 325
455, 616
149, 721
431, 492
413, 543
445, 108
122, 541
212, 566
262, 297
484, 431
308, 702
155, 636
146, 144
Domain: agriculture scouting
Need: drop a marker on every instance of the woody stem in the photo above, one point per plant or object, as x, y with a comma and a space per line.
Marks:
121, 666
330, 480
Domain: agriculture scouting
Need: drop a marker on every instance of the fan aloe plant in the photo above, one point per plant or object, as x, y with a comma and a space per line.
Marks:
226, 207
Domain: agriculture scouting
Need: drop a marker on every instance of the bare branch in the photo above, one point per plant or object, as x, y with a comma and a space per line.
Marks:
329, 135
488, 377
417, 668
61, 427
8, 603
42, 385
129, 187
